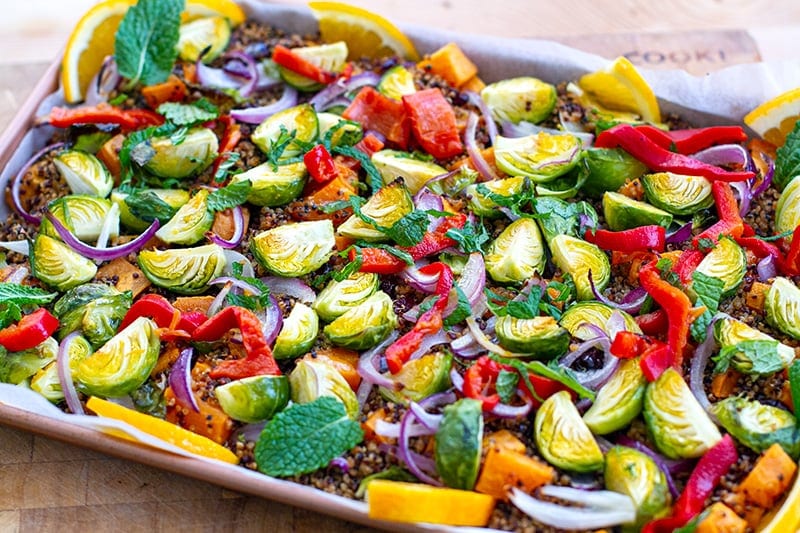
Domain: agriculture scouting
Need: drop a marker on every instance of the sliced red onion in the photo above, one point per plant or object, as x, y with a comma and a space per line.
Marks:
424, 462
476, 100
340, 463
473, 278
767, 180
15, 185
219, 300
21, 247
430, 420
217, 78
249, 87
766, 268
103, 83
251, 432
257, 115
680, 235
101, 254
724, 155
110, 225
601, 508
457, 380
745, 195
231, 257
272, 320
180, 379
502, 410
292, 287
17, 275
466, 347
404, 451
660, 460
483, 340
600, 342
523, 129
322, 100
367, 367
629, 307
428, 342
426, 200
511, 215
418, 280
698, 368
438, 399
238, 231
596, 378
391, 430
474, 152
65, 375
362, 393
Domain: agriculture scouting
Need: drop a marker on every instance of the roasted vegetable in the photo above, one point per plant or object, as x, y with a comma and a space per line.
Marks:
82, 214
274, 186
190, 223
420, 378
619, 401
393, 164
294, 249
58, 265
192, 155
517, 253
623, 213
298, 334
16, 367
183, 270
364, 325
578, 258
540, 336
84, 173
598, 314
758, 426
678, 194
733, 337
562, 436
207, 35
520, 99
311, 379
727, 262
388, 205
286, 130
542, 157
458, 444
95, 309
481, 204
636, 475
253, 399
782, 306
339, 296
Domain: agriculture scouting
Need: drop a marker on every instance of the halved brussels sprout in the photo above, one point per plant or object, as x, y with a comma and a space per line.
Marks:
393, 164
298, 125
485, 207
313, 378
758, 426
726, 261
190, 223
388, 205
542, 157
206, 33
676, 193
298, 334
636, 475
787, 212
577, 316
175, 198
84, 173
577, 257
456, 183
96, 309
58, 265
364, 325
294, 250
123, 363
345, 132
328, 57
16, 367
254, 398
619, 401
783, 307
540, 336
195, 152
272, 187
679, 425
562, 437
458, 444
609, 169
624, 213
339, 297
397, 82
183, 270
83, 215
47, 382
517, 253
518, 99
420, 378
730, 333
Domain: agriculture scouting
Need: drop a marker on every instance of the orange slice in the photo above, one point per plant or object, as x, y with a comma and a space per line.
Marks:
621, 87
774, 119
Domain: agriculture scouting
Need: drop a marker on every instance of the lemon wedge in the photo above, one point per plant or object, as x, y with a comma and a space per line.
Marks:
620, 87
774, 119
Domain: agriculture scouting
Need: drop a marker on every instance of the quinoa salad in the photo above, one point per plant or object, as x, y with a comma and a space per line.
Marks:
513, 304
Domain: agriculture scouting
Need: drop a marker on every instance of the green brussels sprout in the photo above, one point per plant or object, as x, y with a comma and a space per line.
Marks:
83, 215
183, 270
517, 253
388, 205
274, 187
539, 336
758, 426
84, 173
397, 82
454, 184
577, 316
298, 333
783, 307
420, 378
485, 207
619, 401
678, 194
294, 250
623, 213
190, 157
518, 99
312, 378
458, 444
731, 334
726, 261
787, 212
96, 309
339, 297
56, 264
365, 325
298, 124
562, 437
209, 34
47, 381
175, 198
343, 132
680, 427
123, 363
609, 169
254, 398
577, 258
190, 223
393, 164
636, 475
328, 57
542, 156
17, 367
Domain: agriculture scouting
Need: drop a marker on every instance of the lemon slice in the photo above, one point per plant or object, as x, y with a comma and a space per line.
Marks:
214, 8
774, 119
366, 34
620, 87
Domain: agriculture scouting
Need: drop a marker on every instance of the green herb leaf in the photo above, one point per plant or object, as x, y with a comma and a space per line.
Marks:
794, 386
400, 254
409, 230
506, 385
565, 376
253, 302
709, 292
522, 371
24, 295
758, 356
558, 217
787, 162
462, 310
148, 206
352, 267
9, 313
393, 473
471, 238
91, 142
229, 196
306, 437
529, 308
228, 161
189, 114
373, 175
128, 153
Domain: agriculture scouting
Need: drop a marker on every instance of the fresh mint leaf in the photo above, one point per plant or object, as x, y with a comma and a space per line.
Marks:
91, 142
462, 310
136, 148
253, 302
145, 45
781, 235
409, 230
565, 376
10, 313
753, 356
506, 385
148, 206
787, 161
352, 267
305, 437
24, 295
522, 371
528, 308
279, 146
373, 175
229, 160
470, 238
794, 386
398, 253
229, 196
189, 114
709, 293
558, 217
705, 244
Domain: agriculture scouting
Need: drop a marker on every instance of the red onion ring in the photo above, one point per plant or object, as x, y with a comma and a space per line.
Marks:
256, 115
657, 458
17, 275
103, 83
440, 337
367, 367
724, 155
601, 342
457, 380
238, 231
426, 200
236, 283
766, 268
474, 152
629, 307
232, 257
476, 100
249, 87
767, 180
340, 463
430, 420
698, 367
594, 379
418, 280
472, 280
180, 380
391, 430
15, 184
404, 451
503, 410
271, 320
465, 346
745, 194
323, 99
110, 224
65, 375
292, 287
680, 235
101, 254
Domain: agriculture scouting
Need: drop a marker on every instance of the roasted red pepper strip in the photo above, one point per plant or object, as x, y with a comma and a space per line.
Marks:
300, 65
258, 361
230, 138
433, 123
380, 113
730, 221
128, 119
703, 480
320, 164
428, 323
479, 380
690, 141
687, 263
660, 159
162, 313
639, 239
790, 265
29, 332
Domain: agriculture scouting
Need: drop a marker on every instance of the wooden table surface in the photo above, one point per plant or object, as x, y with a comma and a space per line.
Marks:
46, 485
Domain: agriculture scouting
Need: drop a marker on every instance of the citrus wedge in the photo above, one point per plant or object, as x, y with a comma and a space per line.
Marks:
214, 8
621, 87
774, 119
366, 34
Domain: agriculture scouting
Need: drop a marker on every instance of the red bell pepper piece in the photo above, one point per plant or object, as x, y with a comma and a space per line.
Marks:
370, 144
654, 323
300, 65
230, 138
29, 332
320, 164
478, 380
703, 480
656, 359
660, 159
627, 345
433, 123
258, 361
790, 265
127, 119
690, 141
381, 114
162, 313
730, 222
687, 263
639, 239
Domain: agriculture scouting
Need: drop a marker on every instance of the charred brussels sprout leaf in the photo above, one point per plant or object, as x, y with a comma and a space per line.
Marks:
458, 444
95, 309
609, 169
563, 438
